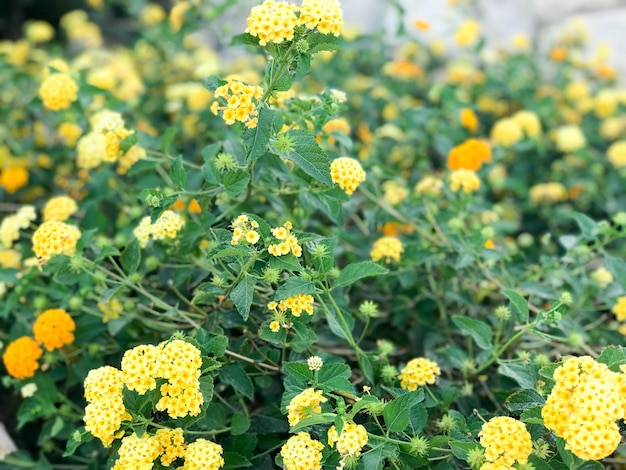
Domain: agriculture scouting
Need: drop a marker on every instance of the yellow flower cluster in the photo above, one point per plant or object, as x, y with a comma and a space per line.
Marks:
324, 15
11, 225
301, 452
468, 33
429, 185
303, 405
288, 243
616, 154
172, 445
55, 238
58, 91
468, 119
296, 304
469, 155
507, 132
105, 410
506, 441
21, 356
140, 367
10, 259
464, 179
59, 208
528, 121
352, 439
165, 227
394, 192
244, 229
138, 453
110, 310
54, 328
272, 21
238, 102
602, 276
418, 372
387, 248
203, 455
547, 193
619, 309
584, 405
347, 173
111, 125
569, 138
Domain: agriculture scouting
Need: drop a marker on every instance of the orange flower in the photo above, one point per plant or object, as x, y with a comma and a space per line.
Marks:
558, 54
470, 155
54, 329
13, 178
20, 357
422, 25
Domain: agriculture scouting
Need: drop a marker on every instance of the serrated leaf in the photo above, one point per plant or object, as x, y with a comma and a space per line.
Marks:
587, 225
242, 295
460, 449
526, 375
396, 412
235, 182
356, 271
213, 83
127, 142
308, 156
294, 286
300, 373
168, 138
478, 330
335, 377
519, 305
374, 459
131, 257
418, 417
613, 357
257, 138
523, 400
237, 377
178, 175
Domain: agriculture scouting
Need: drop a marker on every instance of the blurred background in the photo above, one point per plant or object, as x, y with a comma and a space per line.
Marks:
541, 21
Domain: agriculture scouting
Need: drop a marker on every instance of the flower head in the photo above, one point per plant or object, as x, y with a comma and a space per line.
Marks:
347, 173
464, 179
506, 441
469, 155
324, 15
387, 248
304, 405
55, 238
418, 372
58, 91
20, 357
59, 208
54, 329
352, 439
272, 21
203, 455
300, 452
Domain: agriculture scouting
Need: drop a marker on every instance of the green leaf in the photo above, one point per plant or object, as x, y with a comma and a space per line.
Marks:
397, 412
478, 330
300, 373
307, 155
317, 418
587, 225
617, 266
526, 375
461, 449
335, 377
178, 175
355, 271
210, 151
127, 142
213, 83
294, 286
519, 305
78, 437
418, 417
168, 138
242, 295
341, 326
131, 257
532, 415
304, 337
239, 424
206, 389
235, 182
245, 39
234, 460
613, 357
237, 377
258, 138
374, 459
523, 400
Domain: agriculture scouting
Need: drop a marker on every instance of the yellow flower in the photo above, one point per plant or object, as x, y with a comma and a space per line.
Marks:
110, 310
172, 443
55, 238
10, 259
521, 42
58, 91
418, 372
348, 173
421, 25
237, 102
324, 15
570, 138
547, 193
59, 208
54, 329
430, 185
69, 133
529, 122
304, 405
387, 248
177, 15
39, 31
352, 439
152, 13
394, 192
138, 453
465, 179
507, 132
272, 21
91, 150
301, 452
469, 120
468, 33
506, 441
13, 178
602, 276
616, 154
20, 357
288, 243
166, 227
619, 309
203, 455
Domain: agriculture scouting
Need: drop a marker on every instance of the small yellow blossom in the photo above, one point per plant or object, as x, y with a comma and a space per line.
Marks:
348, 173
304, 405
418, 372
464, 179
58, 91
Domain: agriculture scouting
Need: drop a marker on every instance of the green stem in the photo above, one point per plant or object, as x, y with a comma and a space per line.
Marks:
496, 355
